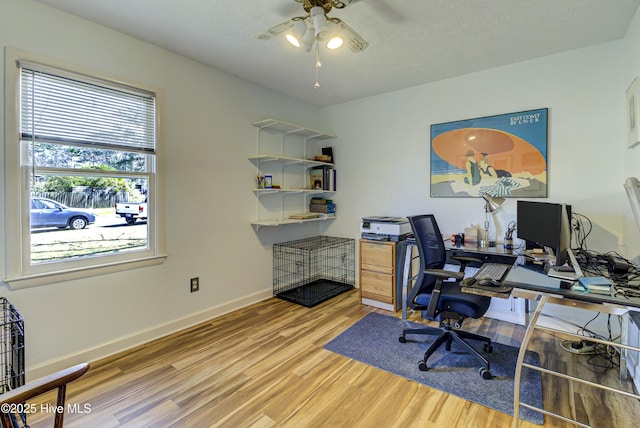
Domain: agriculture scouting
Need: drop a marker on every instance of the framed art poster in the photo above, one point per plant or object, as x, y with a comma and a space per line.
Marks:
633, 127
503, 155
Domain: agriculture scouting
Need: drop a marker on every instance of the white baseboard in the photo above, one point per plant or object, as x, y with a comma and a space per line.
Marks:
377, 304
140, 337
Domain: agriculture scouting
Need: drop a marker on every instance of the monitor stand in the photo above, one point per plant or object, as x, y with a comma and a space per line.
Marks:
556, 272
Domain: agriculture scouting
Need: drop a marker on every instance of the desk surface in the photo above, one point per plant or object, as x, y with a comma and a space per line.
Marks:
526, 278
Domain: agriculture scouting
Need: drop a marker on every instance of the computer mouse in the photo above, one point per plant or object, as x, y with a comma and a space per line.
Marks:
489, 282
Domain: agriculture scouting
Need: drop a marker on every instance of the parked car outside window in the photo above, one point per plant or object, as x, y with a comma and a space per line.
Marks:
49, 213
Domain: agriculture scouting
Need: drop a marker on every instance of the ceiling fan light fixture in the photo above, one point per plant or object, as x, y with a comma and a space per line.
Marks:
334, 37
308, 38
294, 36
335, 42
319, 21
291, 38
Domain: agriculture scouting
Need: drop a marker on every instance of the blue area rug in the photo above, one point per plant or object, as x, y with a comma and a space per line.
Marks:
374, 340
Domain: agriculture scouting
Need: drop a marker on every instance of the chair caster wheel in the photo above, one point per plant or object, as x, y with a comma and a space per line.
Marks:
402, 339
486, 374
488, 348
423, 366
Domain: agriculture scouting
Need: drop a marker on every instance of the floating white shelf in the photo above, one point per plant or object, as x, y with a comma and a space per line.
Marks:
287, 161
289, 134
261, 223
261, 192
291, 128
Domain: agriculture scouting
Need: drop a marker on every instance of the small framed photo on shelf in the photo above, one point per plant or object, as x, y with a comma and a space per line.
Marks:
633, 114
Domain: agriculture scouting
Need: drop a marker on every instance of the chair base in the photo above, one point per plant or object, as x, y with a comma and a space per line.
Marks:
447, 336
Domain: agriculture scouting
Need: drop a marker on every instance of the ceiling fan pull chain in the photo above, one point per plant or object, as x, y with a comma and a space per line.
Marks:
318, 65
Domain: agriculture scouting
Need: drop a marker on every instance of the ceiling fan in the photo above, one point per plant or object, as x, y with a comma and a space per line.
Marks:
317, 27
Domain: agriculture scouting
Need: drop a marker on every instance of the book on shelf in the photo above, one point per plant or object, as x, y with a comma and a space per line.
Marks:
323, 178
316, 178
304, 216
332, 180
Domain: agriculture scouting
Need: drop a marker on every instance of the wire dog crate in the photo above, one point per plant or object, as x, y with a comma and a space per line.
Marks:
11, 347
312, 270
12, 361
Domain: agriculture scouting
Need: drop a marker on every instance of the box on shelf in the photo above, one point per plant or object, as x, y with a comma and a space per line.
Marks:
321, 201
321, 205
322, 208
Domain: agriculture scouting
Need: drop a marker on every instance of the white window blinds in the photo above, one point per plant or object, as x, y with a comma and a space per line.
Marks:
62, 107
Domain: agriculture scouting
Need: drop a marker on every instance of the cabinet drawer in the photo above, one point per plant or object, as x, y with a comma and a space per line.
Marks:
377, 256
377, 286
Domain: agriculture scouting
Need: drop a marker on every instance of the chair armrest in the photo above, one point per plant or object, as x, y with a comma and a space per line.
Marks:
441, 275
26, 392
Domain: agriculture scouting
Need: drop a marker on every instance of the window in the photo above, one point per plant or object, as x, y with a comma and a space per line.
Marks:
84, 145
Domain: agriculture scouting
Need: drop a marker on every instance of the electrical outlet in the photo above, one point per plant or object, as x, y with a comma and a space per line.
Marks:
195, 284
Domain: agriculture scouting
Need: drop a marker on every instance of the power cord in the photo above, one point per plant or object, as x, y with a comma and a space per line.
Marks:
582, 228
602, 356
582, 347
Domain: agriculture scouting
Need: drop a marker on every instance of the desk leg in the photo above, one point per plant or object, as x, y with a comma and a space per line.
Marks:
527, 308
406, 273
624, 339
523, 350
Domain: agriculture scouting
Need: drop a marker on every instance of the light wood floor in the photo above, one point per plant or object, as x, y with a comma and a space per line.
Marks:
264, 366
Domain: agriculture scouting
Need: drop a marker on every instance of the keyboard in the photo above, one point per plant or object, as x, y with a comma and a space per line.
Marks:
495, 271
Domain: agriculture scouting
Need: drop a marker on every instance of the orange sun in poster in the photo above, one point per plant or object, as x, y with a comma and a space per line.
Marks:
503, 150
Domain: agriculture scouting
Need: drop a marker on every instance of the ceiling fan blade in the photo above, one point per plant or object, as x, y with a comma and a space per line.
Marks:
276, 29
340, 4
354, 40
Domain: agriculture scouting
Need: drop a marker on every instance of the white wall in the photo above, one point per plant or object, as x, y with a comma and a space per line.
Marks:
387, 136
207, 120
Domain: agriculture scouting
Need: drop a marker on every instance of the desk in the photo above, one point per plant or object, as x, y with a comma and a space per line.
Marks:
533, 285
405, 258
537, 286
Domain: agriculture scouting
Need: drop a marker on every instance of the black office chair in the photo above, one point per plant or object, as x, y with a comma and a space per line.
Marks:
443, 301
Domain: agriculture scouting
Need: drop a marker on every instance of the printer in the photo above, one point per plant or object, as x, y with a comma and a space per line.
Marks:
382, 228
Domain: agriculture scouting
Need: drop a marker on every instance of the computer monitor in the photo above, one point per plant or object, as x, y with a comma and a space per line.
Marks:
547, 225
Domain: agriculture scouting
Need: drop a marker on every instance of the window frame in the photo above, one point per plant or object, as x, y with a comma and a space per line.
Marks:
19, 272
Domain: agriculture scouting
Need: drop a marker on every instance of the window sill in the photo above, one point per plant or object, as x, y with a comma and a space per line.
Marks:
86, 272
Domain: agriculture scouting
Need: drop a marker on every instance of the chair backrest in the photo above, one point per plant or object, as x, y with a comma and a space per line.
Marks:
431, 249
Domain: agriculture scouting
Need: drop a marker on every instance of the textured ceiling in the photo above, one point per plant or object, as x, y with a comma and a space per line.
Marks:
410, 41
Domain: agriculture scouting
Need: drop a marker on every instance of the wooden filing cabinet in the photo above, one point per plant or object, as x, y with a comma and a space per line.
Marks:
378, 274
